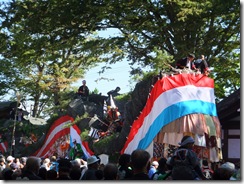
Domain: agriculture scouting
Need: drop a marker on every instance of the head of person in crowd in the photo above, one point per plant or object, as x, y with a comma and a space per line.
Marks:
110, 171
162, 164
14, 166
42, 172
10, 159
140, 161
187, 142
7, 174
93, 162
75, 173
155, 164
23, 161
33, 164
153, 168
64, 168
221, 174
51, 175
124, 160
229, 167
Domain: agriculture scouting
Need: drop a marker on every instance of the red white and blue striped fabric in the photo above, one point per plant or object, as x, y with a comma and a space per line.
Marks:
75, 134
59, 129
171, 98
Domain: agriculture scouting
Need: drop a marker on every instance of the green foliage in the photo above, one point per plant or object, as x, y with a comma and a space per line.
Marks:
48, 45
84, 135
123, 97
104, 142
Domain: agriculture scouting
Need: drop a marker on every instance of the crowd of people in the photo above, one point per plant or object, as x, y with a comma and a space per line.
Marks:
183, 165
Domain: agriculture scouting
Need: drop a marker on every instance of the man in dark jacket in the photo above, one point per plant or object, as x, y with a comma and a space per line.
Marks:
186, 62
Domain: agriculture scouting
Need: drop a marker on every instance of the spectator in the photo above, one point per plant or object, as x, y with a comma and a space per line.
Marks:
186, 165
224, 172
162, 170
75, 173
54, 163
153, 168
64, 168
31, 170
110, 172
2, 164
22, 162
46, 164
221, 174
42, 173
90, 173
10, 160
51, 175
140, 162
186, 62
125, 171
83, 91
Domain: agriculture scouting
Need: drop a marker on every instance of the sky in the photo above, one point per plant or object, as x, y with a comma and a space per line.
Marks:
119, 76
119, 73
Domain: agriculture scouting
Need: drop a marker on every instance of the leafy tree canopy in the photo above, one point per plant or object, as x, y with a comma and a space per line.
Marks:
47, 45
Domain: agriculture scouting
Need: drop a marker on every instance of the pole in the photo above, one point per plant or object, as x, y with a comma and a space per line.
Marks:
14, 127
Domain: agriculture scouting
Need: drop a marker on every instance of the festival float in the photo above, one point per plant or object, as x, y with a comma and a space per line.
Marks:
179, 103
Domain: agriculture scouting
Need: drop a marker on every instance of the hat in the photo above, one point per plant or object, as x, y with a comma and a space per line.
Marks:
229, 166
10, 158
155, 163
91, 160
186, 141
14, 166
84, 81
191, 55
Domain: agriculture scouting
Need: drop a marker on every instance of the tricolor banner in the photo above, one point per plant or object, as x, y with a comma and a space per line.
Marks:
171, 98
75, 134
57, 135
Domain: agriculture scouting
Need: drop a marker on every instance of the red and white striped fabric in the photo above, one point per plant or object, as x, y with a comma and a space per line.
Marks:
57, 130
4, 146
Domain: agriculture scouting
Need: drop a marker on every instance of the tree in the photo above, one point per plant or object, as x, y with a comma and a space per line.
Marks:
178, 27
49, 46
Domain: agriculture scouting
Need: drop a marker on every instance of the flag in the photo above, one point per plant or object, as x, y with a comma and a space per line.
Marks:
57, 130
75, 135
112, 104
4, 146
171, 98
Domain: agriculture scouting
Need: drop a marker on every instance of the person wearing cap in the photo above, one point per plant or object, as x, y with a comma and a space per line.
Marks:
185, 163
186, 62
224, 172
91, 172
153, 168
83, 91
9, 160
